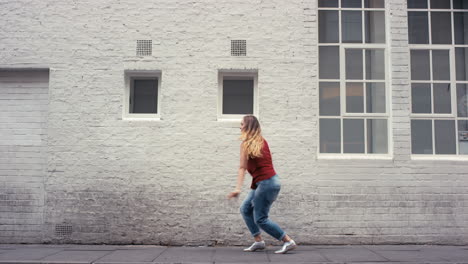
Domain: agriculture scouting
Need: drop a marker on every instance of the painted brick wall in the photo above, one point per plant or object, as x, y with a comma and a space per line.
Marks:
165, 182
23, 157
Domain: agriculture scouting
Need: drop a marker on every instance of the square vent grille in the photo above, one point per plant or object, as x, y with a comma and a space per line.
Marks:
238, 47
63, 230
144, 47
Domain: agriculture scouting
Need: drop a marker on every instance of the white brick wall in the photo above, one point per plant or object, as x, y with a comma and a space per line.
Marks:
23, 160
165, 182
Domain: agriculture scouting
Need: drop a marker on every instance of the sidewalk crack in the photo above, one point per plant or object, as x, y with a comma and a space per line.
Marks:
112, 251
159, 254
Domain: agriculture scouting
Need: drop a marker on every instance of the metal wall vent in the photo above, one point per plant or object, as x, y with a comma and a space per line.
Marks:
63, 230
144, 47
238, 47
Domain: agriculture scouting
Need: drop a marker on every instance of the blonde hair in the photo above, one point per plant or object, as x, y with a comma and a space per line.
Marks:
251, 136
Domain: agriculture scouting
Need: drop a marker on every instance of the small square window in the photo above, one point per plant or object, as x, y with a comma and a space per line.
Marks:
237, 92
142, 94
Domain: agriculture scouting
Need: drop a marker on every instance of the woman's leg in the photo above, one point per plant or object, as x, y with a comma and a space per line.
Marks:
265, 194
247, 211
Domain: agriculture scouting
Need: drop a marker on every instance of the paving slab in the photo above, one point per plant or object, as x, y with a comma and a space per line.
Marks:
394, 247
131, 255
186, 254
77, 255
350, 254
411, 255
28, 254
301, 254
236, 255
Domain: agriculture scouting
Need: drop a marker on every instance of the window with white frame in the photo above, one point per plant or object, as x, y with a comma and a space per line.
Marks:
237, 94
142, 94
353, 94
438, 38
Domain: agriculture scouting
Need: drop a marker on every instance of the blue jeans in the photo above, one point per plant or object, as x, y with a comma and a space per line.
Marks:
256, 207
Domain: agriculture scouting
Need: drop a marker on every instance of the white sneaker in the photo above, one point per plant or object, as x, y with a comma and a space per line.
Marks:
287, 246
255, 246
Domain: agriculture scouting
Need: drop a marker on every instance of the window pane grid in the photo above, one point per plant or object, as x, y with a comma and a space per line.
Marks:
442, 120
357, 135
361, 39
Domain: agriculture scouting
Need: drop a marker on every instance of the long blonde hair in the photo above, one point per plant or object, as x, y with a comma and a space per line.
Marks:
251, 136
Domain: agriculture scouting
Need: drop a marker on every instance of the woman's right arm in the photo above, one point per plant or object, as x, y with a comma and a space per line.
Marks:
240, 173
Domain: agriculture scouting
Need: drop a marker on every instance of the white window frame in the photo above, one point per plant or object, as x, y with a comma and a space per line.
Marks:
130, 76
236, 75
453, 83
388, 89
453, 100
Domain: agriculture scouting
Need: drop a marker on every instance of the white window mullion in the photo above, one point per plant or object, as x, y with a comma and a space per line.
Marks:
363, 26
343, 93
457, 151
432, 82
365, 136
339, 25
430, 26
453, 83
433, 137
342, 135
342, 81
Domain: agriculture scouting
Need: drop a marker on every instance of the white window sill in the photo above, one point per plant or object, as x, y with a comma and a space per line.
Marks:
233, 120
353, 157
432, 157
141, 119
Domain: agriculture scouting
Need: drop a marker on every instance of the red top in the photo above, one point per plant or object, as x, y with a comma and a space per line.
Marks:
261, 168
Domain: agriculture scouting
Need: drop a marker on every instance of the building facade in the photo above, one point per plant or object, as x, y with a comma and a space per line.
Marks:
120, 119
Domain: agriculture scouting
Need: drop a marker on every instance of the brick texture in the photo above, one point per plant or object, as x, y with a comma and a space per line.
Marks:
165, 182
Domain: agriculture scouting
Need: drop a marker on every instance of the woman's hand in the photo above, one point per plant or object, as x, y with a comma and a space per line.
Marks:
233, 194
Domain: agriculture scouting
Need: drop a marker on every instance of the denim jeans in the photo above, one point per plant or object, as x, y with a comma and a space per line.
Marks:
256, 207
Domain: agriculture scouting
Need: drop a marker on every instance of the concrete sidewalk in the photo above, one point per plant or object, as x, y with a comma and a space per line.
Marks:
402, 254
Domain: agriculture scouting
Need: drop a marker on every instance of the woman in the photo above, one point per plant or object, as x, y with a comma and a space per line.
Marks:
255, 157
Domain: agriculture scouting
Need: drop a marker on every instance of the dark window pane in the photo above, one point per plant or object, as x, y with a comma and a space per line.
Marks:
351, 26
374, 3
440, 65
461, 27
354, 65
460, 4
353, 135
463, 136
329, 62
442, 103
238, 97
445, 137
330, 135
354, 98
441, 28
328, 3
421, 98
375, 64
351, 3
462, 100
375, 26
440, 4
417, 3
375, 97
461, 59
145, 97
418, 28
329, 98
421, 136
377, 139
328, 26
420, 65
